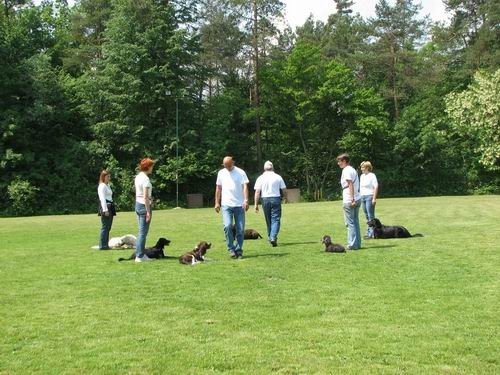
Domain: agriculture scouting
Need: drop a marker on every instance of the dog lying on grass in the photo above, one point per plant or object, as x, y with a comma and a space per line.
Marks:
155, 252
386, 231
331, 247
196, 255
249, 234
124, 242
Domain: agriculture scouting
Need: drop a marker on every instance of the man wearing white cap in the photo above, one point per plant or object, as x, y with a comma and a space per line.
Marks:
269, 186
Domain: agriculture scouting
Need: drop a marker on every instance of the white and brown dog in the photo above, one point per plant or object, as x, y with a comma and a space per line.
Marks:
196, 255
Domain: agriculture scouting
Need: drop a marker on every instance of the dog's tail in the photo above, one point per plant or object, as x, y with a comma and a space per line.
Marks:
418, 235
258, 235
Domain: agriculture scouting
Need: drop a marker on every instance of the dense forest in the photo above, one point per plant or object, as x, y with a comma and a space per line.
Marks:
103, 83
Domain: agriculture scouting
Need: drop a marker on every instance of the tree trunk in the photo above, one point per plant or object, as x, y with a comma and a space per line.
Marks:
256, 97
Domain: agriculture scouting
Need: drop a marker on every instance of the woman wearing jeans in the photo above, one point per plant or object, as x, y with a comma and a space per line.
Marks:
369, 191
106, 208
143, 198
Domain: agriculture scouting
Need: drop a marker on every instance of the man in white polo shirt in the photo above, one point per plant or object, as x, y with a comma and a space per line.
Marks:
269, 186
231, 194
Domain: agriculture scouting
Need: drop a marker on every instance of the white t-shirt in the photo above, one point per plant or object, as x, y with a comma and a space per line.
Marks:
141, 182
105, 194
269, 184
368, 183
349, 173
232, 186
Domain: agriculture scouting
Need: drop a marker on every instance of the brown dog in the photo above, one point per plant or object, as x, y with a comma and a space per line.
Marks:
249, 234
196, 255
331, 247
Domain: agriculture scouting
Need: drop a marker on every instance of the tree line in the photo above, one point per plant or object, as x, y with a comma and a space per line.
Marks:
101, 84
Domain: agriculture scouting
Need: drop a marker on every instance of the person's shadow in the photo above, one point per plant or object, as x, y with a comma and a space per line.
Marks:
378, 247
298, 243
277, 255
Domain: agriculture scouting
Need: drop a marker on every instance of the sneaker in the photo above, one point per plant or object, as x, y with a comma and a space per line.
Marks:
239, 256
144, 258
367, 238
232, 254
274, 243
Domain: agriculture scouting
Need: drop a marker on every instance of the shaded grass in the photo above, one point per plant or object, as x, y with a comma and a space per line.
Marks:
420, 305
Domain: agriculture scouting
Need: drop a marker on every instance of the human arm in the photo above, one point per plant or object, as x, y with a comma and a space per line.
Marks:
375, 190
218, 193
147, 203
245, 196
351, 192
102, 199
285, 195
256, 200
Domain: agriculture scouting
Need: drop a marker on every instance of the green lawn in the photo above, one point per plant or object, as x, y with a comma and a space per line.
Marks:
418, 305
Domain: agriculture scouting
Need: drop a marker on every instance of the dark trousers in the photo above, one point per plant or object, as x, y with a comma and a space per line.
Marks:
106, 223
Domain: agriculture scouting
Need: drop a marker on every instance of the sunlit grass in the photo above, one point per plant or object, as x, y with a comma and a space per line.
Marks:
419, 305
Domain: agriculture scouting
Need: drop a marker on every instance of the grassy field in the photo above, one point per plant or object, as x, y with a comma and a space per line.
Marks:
422, 305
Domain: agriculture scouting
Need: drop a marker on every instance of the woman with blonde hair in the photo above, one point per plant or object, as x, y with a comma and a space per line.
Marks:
106, 208
369, 190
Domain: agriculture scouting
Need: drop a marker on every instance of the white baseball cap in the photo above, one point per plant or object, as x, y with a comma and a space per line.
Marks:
268, 165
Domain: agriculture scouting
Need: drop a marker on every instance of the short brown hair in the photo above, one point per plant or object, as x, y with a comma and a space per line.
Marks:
145, 164
344, 157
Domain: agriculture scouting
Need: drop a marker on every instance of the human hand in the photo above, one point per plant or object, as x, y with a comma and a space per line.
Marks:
217, 207
148, 217
256, 209
245, 206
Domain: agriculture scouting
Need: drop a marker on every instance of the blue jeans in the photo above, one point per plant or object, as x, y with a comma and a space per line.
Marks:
140, 210
238, 213
369, 209
351, 219
272, 213
106, 223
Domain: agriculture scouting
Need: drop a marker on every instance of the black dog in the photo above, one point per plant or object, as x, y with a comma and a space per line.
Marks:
196, 255
155, 252
385, 231
249, 234
332, 247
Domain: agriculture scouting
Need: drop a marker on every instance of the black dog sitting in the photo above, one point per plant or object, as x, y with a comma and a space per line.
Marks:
386, 231
332, 247
155, 252
249, 234
196, 255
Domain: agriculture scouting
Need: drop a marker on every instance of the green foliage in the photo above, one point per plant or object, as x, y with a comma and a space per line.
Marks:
475, 113
22, 196
102, 83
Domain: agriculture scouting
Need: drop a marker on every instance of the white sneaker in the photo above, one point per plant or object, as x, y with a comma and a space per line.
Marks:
144, 258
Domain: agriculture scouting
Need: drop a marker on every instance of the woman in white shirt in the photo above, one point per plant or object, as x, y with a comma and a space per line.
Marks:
106, 208
369, 191
143, 200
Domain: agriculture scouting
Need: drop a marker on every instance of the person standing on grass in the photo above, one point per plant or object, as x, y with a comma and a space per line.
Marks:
143, 201
369, 190
231, 194
106, 208
270, 186
351, 201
